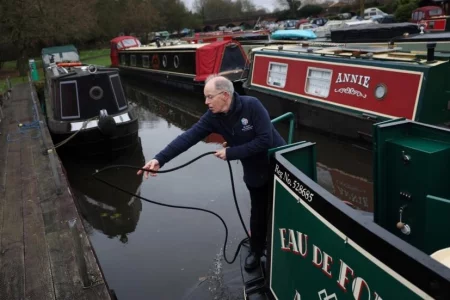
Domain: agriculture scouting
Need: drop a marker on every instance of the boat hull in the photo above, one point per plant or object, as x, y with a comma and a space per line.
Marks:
179, 81
316, 117
92, 141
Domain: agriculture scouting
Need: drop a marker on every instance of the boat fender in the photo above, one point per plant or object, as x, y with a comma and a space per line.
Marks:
106, 123
442, 256
155, 61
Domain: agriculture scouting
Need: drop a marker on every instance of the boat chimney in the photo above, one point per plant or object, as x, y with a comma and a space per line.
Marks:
430, 52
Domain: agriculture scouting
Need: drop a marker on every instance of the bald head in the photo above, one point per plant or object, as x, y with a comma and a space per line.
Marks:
218, 93
220, 83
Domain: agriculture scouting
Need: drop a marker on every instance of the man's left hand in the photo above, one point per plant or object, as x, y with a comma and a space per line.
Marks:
222, 154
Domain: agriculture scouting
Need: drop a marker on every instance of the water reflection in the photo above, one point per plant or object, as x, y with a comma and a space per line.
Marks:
114, 213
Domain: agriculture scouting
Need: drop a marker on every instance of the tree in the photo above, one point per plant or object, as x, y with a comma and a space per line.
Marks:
289, 8
26, 23
404, 9
222, 9
139, 16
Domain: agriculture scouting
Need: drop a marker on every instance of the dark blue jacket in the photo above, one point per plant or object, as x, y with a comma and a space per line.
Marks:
246, 128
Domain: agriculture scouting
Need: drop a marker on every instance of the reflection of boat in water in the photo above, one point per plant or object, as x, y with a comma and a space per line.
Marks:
112, 212
175, 107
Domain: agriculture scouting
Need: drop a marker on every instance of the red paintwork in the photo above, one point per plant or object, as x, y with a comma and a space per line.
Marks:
437, 24
116, 45
208, 59
208, 37
400, 100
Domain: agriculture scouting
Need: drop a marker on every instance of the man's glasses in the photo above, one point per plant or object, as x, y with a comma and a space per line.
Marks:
210, 97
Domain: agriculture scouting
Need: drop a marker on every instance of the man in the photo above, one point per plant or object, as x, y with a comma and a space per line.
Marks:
245, 125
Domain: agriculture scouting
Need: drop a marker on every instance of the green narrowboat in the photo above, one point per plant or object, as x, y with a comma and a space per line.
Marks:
323, 248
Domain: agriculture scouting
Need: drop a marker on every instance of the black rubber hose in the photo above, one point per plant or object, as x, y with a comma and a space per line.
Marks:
185, 207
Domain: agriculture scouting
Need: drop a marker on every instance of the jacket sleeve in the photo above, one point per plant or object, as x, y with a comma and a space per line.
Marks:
263, 130
186, 140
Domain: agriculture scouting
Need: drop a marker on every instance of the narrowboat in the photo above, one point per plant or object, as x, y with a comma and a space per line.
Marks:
344, 91
185, 66
85, 106
319, 247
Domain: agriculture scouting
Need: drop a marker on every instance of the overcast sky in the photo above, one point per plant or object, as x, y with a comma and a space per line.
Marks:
268, 4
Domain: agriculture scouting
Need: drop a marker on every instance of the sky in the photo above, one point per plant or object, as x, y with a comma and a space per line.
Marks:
268, 4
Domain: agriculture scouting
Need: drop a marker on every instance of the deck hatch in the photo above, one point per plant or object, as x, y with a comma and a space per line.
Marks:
69, 101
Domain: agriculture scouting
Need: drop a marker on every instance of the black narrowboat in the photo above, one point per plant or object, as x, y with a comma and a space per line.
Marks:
85, 106
181, 65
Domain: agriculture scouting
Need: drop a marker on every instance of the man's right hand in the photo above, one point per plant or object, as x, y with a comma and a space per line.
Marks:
152, 165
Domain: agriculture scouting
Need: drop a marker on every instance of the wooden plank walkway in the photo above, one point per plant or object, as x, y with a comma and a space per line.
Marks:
41, 255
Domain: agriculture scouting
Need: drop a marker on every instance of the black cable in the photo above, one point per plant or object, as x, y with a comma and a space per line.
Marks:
185, 207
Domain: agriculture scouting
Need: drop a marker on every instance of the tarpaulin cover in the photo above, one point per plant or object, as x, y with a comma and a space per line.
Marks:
208, 59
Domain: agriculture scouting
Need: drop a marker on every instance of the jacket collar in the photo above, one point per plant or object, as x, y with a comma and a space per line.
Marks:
235, 107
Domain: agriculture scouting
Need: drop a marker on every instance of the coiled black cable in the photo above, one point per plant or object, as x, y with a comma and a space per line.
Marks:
95, 174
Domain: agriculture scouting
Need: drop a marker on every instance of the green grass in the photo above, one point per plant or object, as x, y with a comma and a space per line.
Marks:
96, 57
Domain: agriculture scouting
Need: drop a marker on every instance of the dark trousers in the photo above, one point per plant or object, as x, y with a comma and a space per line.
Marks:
258, 217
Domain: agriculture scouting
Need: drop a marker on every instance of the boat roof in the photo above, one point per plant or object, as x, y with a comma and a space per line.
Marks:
80, 71
59, 49
185, 46
373, 52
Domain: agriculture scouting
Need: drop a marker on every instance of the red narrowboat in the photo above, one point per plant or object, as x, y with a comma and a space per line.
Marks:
345, 90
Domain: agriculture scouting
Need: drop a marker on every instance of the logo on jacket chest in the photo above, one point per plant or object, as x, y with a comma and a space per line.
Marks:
245, 125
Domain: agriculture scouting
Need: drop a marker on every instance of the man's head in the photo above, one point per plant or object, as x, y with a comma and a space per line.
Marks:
218, 93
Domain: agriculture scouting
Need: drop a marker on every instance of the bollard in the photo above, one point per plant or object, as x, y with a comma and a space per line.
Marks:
33, 70
79, 254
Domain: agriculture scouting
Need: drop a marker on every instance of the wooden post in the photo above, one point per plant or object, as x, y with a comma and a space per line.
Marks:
361, 8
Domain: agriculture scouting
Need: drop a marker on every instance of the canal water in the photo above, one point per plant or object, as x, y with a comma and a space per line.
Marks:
148, 251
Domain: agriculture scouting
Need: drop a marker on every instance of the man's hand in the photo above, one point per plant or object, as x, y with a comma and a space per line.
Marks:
222, 154
152, 165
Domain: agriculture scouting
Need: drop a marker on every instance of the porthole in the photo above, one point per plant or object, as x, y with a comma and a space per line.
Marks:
176, 62
380, 91
96, 93
164, 61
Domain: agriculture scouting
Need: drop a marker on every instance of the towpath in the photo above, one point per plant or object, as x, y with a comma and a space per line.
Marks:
44, 249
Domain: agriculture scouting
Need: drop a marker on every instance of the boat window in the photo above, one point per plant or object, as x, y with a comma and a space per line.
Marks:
233, 58
145, 61
123, 60
133, 60
176, 61
116, 85
68, 97
318, 82
435, 12
277, 74
164, 61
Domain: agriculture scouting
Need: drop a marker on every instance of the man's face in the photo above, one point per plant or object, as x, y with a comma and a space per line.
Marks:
216, 100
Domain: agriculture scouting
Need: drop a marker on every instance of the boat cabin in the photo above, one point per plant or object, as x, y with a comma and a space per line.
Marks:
120, 43
432, 18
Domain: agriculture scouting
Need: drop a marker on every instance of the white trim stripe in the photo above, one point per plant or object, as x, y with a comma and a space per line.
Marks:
350, 242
